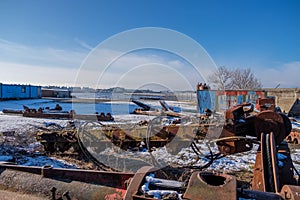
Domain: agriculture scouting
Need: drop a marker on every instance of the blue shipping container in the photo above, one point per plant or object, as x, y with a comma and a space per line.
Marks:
10, 91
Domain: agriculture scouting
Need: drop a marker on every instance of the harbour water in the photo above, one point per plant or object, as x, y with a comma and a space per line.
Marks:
90, 107
116, 108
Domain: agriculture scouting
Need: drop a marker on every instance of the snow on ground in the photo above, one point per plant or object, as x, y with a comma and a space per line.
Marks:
132, 118
188, 106
41, 161
186, 157
18, 141
295, 155
20, 125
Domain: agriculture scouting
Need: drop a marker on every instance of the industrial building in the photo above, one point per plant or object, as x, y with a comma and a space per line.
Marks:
56, 93
16, 91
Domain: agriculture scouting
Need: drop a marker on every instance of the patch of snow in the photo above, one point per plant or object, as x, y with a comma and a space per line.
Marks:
296, 125
187, 157
41, 161
295, 155
20, 124
132, 118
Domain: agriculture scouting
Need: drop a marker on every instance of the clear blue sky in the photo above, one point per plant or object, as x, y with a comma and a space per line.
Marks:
38, 35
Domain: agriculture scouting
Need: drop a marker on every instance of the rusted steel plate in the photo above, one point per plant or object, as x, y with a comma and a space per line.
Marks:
205, 185
258, 181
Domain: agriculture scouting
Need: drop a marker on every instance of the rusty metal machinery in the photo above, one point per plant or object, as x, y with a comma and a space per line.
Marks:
125, 136
273, 169
158, 132
242, 121
146, 184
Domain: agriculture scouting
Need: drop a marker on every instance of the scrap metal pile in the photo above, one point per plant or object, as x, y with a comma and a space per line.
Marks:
157, 133
273, 171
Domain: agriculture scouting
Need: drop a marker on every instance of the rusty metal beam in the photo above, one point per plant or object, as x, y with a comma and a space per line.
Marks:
110, 179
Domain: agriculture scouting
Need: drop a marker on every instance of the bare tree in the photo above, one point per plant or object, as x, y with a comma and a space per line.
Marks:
221, 78
244, 79
237, 79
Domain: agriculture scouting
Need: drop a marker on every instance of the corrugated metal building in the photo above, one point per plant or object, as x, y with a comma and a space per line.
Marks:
14, 91
218, 100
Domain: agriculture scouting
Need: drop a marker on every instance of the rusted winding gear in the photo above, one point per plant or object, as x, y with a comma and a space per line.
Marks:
273, 170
